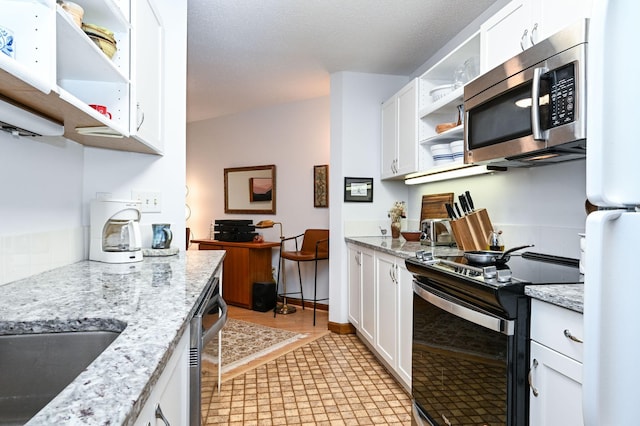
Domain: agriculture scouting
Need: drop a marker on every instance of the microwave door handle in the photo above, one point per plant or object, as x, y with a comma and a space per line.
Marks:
536, 130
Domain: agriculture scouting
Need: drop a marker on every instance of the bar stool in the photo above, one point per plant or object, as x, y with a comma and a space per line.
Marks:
314, 247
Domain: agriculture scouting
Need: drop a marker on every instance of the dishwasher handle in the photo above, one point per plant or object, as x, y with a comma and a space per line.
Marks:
213, 330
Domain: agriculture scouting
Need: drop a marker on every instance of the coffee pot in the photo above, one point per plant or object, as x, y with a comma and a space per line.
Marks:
115, 231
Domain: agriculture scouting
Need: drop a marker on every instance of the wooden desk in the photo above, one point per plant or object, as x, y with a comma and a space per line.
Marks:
244, 264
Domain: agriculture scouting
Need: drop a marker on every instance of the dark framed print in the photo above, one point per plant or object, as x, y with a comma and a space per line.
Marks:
358, 189
321, 186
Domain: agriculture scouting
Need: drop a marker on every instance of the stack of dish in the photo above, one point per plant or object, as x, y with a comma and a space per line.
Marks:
457, 149
439, 92
74, 10
441, 154
102, 37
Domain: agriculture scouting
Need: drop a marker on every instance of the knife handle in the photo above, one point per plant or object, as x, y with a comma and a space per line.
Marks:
450, 211
469, 200
457, 209
463, 203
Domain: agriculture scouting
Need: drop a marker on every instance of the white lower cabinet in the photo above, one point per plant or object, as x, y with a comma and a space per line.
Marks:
362, 310
381, 307
555, 378
170, 396
405, 323
386, 272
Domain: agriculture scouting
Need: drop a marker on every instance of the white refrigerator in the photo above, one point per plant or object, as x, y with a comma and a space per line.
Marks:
611, 369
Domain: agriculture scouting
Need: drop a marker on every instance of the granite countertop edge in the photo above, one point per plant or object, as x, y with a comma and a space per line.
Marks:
569, 296
150, 302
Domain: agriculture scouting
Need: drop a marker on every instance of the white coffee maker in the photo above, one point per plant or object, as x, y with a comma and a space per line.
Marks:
115, 231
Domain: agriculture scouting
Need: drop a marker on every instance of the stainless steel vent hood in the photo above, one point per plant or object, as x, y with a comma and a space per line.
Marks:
20, 121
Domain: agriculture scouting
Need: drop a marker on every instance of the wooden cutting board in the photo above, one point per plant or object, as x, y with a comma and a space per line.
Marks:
433, 206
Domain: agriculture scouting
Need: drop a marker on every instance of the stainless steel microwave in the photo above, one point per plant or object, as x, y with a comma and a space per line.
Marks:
531, 110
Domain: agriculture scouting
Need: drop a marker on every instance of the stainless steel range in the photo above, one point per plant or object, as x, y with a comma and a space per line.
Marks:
471, 336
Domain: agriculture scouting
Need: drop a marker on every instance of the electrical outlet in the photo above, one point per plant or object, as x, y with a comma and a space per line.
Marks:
151, 201
103, 195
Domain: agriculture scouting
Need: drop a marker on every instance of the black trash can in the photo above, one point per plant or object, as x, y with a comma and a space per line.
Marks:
264, 296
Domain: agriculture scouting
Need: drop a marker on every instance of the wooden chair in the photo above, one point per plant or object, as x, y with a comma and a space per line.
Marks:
314, 247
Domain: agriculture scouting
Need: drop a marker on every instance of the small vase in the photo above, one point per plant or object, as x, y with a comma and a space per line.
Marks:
395, 229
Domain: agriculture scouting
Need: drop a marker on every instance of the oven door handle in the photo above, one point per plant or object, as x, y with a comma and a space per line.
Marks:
213, 330
482, 319
417, 416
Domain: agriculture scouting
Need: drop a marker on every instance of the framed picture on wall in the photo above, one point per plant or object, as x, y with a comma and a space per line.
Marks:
358, 189
321, 186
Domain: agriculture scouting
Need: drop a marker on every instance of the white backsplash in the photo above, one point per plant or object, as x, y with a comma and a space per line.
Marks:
24, 255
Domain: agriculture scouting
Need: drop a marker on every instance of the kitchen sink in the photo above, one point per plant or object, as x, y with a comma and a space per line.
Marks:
36, 367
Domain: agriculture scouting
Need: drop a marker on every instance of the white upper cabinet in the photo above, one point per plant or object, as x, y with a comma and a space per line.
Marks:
399, 133
147, 101
522, 23
85, 75
58, 71
29, 50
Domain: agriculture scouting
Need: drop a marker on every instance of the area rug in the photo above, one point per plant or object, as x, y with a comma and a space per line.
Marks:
242, 342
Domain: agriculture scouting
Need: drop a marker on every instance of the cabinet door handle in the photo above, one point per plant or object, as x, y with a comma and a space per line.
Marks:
140, 116
357, 256
533, 388
568, 335
160, 415
523, 39
534, 33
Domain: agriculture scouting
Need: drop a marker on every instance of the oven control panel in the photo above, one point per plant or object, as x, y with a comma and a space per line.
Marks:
489, 274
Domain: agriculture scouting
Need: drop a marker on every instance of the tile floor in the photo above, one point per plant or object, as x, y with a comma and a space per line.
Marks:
332, 380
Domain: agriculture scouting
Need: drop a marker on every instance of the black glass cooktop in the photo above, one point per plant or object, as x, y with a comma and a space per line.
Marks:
536, 268
473, 285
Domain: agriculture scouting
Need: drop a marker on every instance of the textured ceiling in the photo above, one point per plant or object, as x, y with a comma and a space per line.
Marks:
246, 54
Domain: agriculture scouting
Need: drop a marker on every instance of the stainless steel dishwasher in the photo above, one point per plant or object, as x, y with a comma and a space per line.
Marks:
200, 337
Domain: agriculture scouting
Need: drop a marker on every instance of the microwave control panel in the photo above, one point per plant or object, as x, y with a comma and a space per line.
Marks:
562, 95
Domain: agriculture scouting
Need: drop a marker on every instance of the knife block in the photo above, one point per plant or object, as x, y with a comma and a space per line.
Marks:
471, 231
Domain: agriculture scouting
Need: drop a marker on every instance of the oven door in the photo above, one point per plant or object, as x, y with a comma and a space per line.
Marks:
460, 365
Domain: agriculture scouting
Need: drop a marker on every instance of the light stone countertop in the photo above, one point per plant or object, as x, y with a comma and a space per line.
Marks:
399, 246
568, 296
151, 302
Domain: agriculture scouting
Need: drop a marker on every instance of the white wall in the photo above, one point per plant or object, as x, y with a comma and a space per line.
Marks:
40, 212
294, 137
355, 152
46, 185
544, 205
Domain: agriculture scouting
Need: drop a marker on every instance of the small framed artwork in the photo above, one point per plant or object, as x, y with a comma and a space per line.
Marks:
358, 189
321, 186
260, 189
